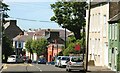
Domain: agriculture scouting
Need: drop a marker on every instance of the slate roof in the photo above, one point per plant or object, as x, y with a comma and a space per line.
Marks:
116, 18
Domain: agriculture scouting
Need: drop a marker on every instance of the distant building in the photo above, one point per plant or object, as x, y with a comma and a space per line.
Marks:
11, 29
114, 37
55, 38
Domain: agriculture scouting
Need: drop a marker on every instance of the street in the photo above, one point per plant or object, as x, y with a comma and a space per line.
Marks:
40, 68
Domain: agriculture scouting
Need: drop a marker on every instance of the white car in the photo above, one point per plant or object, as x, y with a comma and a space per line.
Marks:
14, 58
57, 60
62, 61
75, 63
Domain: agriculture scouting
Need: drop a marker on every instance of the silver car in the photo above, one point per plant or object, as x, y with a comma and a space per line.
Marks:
75, 63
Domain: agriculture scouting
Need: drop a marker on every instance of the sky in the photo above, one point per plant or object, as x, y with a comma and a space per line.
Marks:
37, 10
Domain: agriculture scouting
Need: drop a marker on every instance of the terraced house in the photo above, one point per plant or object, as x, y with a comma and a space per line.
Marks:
104, 34
98, 34
114, 37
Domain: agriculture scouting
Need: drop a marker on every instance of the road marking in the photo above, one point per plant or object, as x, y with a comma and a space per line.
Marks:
16, 64
38, 68
5, 66
30, 65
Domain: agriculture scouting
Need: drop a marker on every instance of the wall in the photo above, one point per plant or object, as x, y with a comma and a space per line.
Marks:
52, 53
98, 34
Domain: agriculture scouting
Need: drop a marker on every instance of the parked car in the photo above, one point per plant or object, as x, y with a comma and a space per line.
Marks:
75, 63
57, 60
61, 61
50, 63
14, 58
42, 61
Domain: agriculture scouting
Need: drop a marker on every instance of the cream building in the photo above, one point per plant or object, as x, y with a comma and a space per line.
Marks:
98, 33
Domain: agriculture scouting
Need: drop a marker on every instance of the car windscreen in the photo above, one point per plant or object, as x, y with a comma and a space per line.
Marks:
76, 59
64, 58
58, 58
12, 56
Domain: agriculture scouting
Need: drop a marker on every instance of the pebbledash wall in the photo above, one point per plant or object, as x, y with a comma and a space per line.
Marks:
98, 34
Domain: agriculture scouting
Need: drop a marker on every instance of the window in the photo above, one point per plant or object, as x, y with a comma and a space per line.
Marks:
19, 44
93, 29
105, 26
90, 23
110, 31
116, 31
99, 22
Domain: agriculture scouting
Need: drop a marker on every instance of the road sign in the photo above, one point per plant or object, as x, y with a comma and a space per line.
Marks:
77, 47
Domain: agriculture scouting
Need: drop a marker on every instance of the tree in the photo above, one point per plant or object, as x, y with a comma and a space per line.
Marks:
28, 45
70, 15
5, 8
7, 49
40, 46
71, 46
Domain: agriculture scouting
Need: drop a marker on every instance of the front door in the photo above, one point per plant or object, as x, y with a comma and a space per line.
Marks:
113, 59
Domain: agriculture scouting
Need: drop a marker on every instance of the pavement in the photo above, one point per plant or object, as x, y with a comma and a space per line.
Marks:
1, 67
98, 68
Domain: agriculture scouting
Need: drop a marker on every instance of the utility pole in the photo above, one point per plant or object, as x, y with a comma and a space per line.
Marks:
65, 37
1, 24
88, 27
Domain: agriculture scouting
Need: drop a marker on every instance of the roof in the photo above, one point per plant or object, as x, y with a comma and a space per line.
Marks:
114, 19
21, 38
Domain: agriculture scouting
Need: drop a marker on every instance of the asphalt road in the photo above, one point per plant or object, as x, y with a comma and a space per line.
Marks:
20, 68
40, 68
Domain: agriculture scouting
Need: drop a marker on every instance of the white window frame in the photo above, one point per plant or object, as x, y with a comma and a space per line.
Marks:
110, 31
105, 25
115, 31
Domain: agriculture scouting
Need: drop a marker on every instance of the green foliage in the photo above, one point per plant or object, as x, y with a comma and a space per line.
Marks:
69, 49
7, 49
70, 15
71, 46
118, 61
38, 46
28, 44
5, 8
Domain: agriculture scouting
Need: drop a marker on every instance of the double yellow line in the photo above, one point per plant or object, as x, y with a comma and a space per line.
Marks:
5, 66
